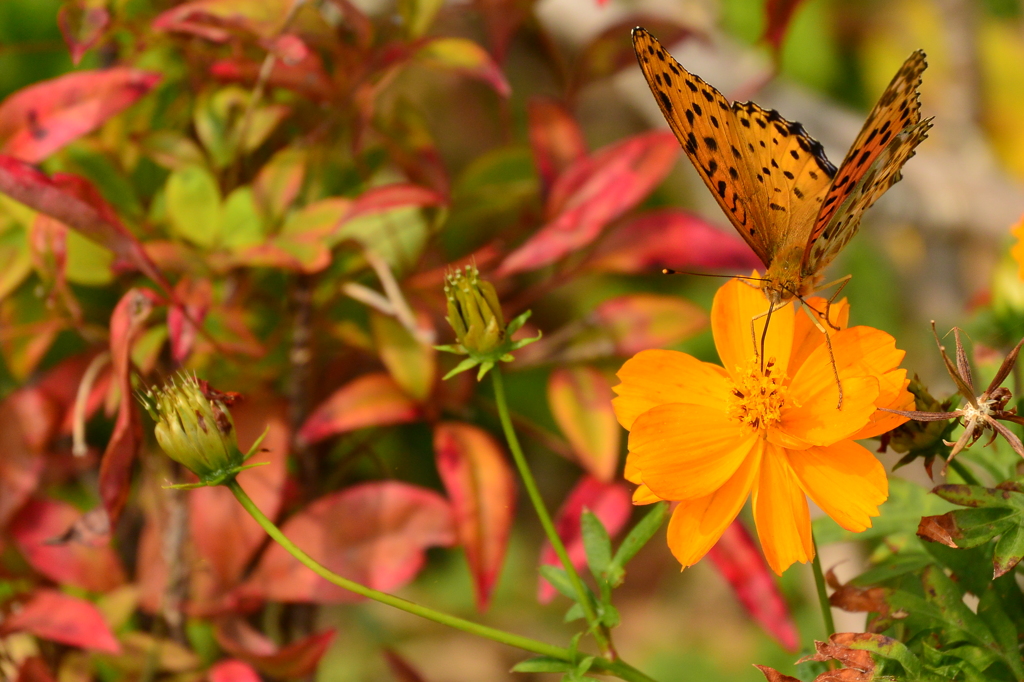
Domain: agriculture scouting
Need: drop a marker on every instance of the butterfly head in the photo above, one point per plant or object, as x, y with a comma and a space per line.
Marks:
785, 278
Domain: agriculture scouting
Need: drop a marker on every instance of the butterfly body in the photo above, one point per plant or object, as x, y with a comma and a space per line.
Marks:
793, 207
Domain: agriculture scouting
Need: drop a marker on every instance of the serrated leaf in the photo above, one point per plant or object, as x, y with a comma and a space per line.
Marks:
942, 592
596, 542
638, 536
542, 664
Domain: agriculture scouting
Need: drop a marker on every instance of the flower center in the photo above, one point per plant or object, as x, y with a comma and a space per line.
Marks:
757, 396
984, 409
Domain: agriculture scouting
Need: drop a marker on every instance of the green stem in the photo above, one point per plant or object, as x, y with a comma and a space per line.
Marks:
403, 604
963, 472
819, 582
582, 597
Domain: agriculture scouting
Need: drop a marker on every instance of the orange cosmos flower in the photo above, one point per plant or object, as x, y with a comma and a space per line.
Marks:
707, 436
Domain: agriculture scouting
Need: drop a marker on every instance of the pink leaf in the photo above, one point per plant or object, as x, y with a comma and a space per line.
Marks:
306, 77
373, 533
115, 470
674, 239
75, 202
34, 669
388, 198
192, 301
370, 400
58, 617
299, 659
20, 463
581, 402
38, 120
610, 502
636, 322
225, 536
555, 138
741, 563
34, 530
593, 192
482, 489
233, 671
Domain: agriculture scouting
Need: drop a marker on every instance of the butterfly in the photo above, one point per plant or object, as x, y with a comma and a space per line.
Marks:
792, 206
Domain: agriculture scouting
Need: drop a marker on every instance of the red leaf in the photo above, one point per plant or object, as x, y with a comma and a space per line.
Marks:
593, 192
370, 400
388, 198
82, 27
55, 616
33, 669
773, 675
482, 489
674, 239
20, 463
636, 322
225, 536
306, 77
610, 502
740, 562
75, 202
38, 120
555, 138
501, 19
297, 660
581, 402
373, 533
778, 14
400, 669
233, 671
210, 19
192, 302
34, 530
126, 323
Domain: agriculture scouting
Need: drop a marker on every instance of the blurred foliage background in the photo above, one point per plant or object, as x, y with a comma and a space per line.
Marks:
930, 249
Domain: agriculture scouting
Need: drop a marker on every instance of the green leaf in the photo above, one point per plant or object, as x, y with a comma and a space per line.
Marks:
893, 567
193, 206
542, 664
88, 263
242, 224
993, 612
943, 593
559, 579
979, 496
609, 615
977, 526
596, 542
575, 612
636, 539
468, 363
1009, 550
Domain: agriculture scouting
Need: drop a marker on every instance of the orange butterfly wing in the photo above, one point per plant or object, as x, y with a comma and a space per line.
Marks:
888, 139
766, 173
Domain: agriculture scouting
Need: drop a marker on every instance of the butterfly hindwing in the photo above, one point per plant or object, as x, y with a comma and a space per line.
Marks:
887, 140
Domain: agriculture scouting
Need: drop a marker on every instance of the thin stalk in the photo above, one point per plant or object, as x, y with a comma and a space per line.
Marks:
582, 597
819, 582
963, 472
472, 628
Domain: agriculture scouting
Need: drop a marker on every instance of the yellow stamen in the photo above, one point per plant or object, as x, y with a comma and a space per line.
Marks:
757, 398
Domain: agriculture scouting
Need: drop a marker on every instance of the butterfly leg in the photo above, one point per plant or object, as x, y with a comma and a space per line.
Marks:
841, 282
759, 348
831, 354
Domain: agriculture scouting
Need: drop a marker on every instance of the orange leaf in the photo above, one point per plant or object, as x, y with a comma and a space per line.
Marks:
482, 489
581, 401
370, 400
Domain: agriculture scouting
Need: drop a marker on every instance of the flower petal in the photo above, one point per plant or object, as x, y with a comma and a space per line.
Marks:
845, 480
810, 414
684, 451
806, 336
900, 399
735, 306
643, 495
655, 377
780, 512
697, 524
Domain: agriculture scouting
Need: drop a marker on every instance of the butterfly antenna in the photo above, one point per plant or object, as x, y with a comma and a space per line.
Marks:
670, 271
764, 332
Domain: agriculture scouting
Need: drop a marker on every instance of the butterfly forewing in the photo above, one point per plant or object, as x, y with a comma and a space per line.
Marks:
892, 130
766, 173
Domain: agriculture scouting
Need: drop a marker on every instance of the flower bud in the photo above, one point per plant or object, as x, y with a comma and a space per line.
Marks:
474, 311
195, 429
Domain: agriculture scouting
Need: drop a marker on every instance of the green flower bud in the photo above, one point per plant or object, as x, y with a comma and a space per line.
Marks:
195, 429
474, 311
